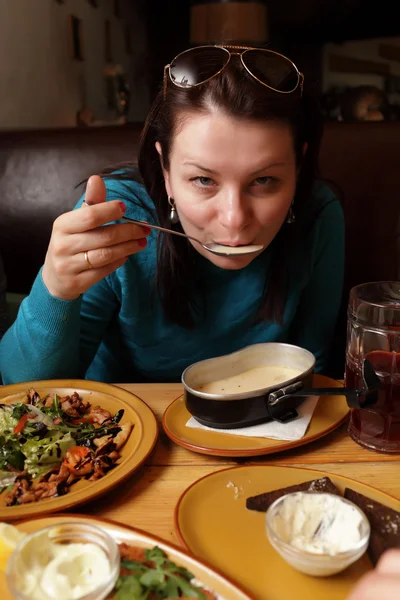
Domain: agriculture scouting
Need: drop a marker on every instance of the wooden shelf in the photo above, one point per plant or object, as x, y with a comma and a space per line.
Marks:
389, 51
348, 64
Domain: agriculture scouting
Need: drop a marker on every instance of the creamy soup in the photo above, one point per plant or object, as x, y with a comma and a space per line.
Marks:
250, 380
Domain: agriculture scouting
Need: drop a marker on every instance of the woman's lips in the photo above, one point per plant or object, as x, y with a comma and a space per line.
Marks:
234, 244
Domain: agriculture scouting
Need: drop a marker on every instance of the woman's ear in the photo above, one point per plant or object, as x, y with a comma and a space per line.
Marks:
164, 170
158, 148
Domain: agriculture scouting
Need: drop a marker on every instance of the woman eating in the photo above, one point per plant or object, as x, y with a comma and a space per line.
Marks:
228, 154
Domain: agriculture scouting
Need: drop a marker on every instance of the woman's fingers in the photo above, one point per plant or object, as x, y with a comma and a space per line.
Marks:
96, 191
389, 564
101, 257
83, 249
88, 218
375, 586
107, 235
88, 277
383, 583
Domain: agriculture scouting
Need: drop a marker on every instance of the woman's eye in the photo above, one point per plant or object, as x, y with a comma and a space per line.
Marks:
202, 181
263, 180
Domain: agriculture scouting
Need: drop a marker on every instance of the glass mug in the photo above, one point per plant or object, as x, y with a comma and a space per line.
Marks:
373, 332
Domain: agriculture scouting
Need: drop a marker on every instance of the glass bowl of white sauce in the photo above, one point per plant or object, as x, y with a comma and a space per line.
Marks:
69, 561
317, 534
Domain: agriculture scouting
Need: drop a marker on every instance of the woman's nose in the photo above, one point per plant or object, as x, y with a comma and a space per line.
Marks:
233, 211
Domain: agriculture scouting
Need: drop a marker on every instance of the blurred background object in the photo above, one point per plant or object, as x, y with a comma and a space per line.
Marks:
64, 60
229, 21
59, 59
363, 103
361, 79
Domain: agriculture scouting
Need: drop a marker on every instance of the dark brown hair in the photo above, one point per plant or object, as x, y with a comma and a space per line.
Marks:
238, 94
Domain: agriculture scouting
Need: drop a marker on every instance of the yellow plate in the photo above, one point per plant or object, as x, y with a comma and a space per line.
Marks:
330, 412
137, 448
211, 519
203, 572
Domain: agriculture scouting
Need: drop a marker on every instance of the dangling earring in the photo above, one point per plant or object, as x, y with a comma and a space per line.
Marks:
173, 215
291, 217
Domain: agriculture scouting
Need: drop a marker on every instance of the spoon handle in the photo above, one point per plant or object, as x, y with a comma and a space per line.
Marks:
159, 228
188, 237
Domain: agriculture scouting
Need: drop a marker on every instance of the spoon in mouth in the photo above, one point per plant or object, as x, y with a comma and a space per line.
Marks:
219, 249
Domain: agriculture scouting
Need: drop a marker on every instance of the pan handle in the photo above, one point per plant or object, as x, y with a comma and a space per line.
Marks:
353, 395
282, 403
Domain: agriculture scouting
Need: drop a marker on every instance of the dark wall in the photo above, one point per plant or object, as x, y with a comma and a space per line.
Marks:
168, 25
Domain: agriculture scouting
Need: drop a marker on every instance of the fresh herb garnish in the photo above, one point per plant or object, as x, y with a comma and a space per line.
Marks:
163, 579
128, 588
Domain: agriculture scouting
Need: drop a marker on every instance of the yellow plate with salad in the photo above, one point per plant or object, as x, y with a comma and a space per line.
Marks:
171, 573
65, 442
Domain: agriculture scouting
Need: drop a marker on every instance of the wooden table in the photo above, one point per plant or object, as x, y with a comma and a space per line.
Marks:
147, 500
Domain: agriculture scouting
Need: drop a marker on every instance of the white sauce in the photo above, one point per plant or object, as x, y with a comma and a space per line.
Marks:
235, 249
48, 570
318, 523
250, 380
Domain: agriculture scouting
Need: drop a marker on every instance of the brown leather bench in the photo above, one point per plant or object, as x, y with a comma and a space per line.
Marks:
40, 169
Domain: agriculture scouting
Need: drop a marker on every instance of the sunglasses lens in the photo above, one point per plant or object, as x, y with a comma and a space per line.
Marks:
197, 65
272, 69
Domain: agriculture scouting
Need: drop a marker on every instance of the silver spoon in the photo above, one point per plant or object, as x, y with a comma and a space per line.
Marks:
213, 247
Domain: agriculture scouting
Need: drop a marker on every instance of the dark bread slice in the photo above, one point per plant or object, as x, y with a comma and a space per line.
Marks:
263, 501
384, 521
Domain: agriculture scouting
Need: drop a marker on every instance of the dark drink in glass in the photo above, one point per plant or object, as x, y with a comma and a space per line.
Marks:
373, 332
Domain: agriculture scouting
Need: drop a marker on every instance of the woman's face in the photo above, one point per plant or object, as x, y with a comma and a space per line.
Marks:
232, 181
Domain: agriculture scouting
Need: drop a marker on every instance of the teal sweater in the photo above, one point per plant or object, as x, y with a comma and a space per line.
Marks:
114, 333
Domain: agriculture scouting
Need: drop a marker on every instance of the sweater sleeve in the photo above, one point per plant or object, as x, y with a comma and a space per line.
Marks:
3, 301
43, 341
53, 338
316, 316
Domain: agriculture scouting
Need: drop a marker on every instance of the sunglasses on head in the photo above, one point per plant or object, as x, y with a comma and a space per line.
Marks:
198, 65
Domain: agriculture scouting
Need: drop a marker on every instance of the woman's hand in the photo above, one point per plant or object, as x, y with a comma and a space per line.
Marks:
383, 583
83, 249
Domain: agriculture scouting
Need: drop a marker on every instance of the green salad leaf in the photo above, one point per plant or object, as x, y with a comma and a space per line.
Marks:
10, 454
47, 452
7, 420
